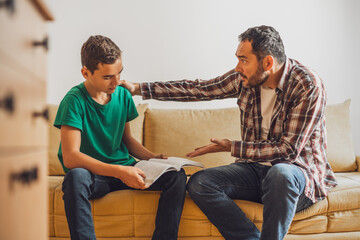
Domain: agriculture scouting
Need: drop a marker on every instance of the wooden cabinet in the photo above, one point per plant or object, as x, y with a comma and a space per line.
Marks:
23, 118
24, 205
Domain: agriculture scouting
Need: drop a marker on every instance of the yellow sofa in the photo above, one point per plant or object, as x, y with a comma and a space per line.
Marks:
130, 214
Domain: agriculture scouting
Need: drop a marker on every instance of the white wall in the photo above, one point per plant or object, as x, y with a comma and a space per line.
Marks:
169, 40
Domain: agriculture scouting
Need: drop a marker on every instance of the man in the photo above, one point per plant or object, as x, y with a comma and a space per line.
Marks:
96, 142
281, 159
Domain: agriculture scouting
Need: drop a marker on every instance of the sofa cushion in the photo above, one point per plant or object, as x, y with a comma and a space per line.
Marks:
137, 125
340, 149
129, 213
54, 165
176, 132
162, 126
53, 183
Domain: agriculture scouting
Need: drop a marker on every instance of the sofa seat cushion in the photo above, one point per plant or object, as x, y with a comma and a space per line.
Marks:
132, 213
53, 183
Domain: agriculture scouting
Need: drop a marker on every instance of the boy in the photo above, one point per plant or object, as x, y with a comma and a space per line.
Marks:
96, 144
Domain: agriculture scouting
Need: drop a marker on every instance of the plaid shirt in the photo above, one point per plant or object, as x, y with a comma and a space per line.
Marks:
297, 133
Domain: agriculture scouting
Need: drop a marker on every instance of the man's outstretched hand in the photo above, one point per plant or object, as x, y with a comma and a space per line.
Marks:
217, 145
134, 88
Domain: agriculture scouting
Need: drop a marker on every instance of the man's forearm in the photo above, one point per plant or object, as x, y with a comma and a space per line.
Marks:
224, 86
137, 89
263, 151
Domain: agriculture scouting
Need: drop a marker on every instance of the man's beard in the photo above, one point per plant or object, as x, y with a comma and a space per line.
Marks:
257, 79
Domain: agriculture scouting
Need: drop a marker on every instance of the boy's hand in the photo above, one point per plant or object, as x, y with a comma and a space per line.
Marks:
134, 88
161, 156
132, 177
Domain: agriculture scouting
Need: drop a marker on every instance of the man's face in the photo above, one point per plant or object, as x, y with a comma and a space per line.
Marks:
251, 71
106, 77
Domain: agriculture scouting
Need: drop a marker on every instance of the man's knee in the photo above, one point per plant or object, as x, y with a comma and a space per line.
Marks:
196, 183
282, 176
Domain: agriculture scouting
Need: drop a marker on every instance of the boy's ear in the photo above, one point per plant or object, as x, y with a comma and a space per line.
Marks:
85, 72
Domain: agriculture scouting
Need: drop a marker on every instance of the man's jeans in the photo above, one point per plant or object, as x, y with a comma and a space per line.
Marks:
280, 188
80, 185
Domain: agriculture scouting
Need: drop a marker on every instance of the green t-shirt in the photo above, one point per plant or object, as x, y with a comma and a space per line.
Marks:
101, 126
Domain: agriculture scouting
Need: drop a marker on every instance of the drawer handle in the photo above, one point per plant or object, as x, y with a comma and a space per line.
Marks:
9, 5
7, 103
44, 114
25, 177
44, 43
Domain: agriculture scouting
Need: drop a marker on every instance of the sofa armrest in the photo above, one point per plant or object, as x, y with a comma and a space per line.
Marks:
358, 163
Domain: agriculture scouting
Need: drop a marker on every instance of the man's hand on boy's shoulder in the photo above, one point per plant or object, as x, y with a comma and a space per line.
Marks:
131, 176
134, 88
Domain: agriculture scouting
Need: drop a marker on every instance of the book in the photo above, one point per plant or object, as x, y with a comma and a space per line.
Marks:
155, 167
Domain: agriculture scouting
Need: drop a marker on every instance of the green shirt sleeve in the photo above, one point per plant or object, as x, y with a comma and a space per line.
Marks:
69, 113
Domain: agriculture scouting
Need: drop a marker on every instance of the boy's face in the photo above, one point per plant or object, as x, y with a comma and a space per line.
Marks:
105, 78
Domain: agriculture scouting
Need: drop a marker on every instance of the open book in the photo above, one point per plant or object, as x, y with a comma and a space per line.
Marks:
154, 167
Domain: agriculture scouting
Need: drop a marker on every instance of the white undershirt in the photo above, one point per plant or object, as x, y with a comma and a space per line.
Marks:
267, 101
268, 98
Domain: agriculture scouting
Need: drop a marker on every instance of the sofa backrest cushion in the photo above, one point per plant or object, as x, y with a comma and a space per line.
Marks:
137, 125
340, 148
176, 132
54, 166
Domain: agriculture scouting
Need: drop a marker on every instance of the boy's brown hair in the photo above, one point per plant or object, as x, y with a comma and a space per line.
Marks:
99, 49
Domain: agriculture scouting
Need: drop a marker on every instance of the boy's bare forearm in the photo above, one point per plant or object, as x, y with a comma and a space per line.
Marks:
137, 150
81, 160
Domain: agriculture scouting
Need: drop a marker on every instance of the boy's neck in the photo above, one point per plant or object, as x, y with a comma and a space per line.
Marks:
99, 97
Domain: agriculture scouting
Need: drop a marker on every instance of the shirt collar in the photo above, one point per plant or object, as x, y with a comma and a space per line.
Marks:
283, 76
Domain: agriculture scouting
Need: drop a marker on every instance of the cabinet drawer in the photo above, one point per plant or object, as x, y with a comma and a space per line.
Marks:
18, 32
25, 124
23, 197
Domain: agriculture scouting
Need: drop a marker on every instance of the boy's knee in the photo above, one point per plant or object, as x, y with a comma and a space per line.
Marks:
76, 178
181, 177
176, 178
77, 175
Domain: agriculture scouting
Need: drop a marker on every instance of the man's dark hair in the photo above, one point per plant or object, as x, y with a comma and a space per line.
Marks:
265, 40
99, 49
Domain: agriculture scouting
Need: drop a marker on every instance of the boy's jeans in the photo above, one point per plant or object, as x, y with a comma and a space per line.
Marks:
280, 188
80, 185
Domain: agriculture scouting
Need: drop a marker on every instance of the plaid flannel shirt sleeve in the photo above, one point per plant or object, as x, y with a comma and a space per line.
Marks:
301, 122
224, 86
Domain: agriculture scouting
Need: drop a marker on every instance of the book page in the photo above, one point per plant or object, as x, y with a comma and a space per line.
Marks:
155, 167
153, 170
177, 162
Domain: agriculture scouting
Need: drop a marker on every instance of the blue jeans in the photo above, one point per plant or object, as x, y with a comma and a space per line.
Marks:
279, 188
80, 185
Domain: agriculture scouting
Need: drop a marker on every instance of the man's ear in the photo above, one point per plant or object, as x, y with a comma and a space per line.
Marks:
268, 62
85, 72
